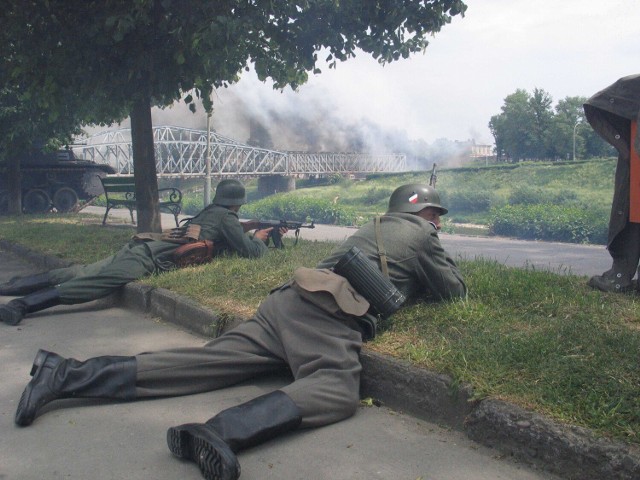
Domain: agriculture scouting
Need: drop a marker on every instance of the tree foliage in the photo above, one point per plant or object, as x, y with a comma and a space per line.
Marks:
529, 127
121, 57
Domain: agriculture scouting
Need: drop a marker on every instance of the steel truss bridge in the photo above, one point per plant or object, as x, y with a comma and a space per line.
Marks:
183, 152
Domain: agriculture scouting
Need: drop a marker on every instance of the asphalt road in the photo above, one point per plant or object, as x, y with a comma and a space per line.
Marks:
102, 440
563, 258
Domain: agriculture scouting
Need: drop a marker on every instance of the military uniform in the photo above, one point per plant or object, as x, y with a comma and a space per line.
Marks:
146, 254
308, 331
78, 284
310, 326
610, 113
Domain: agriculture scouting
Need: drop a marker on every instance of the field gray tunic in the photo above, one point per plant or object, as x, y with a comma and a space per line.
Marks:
83, 283
307, 334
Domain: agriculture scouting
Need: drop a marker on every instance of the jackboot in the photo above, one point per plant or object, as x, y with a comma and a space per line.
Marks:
611, 282
14, 311
55, 377
25, 285
213, 445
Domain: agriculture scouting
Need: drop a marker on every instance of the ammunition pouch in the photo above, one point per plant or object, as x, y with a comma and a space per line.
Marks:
191, 250
368, 281
194, 253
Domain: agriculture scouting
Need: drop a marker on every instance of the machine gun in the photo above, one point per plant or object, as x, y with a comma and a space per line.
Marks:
434, 177
275, 226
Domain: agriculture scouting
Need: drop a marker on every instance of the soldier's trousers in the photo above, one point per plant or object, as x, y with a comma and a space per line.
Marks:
321, 351
83, 283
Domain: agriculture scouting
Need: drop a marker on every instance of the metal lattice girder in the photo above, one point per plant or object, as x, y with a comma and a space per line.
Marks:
183, 152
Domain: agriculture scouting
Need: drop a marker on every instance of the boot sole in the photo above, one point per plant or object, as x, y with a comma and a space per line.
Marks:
22, 418
213, 456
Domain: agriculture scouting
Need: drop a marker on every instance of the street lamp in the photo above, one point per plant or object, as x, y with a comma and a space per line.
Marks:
207, 177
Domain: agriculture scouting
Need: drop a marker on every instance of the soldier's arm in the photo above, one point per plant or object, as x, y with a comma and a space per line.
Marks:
238, 241
437, 270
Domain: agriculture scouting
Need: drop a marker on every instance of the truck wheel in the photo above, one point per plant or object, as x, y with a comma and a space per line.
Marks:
36, 201
65, 199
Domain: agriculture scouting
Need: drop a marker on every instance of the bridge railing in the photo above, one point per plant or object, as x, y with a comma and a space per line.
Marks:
184, 152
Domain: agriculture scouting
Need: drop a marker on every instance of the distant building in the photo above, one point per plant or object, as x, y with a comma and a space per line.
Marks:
470, 150
481, 151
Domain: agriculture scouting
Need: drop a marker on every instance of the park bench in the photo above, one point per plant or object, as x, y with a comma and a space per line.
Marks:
120, 191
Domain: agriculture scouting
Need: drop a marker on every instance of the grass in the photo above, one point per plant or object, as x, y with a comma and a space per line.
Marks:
590, 182
544, 341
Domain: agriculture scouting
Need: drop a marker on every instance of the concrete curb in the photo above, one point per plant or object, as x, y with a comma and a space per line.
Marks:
571, 452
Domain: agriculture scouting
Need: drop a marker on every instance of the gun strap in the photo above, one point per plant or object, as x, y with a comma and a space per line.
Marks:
381, 251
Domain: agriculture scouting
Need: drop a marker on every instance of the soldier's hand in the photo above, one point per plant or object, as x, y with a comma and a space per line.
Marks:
262, 234
283, 230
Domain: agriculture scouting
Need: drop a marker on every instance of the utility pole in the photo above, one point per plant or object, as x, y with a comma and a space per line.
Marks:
207, 178
575, 127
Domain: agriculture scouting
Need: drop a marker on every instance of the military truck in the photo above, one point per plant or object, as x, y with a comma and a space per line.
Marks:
57, 180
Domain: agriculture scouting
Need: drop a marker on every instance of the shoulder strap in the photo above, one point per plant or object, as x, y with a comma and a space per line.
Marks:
381, 251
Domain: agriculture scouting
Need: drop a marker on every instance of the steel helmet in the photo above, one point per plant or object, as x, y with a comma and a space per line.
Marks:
414, 197
230, 193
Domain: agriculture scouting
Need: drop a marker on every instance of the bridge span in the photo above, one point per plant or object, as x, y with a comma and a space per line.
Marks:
184, 152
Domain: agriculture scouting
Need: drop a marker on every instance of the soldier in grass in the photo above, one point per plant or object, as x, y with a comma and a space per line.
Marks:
145, 254
314, 325
613, 113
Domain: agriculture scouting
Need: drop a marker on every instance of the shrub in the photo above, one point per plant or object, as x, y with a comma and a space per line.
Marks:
282, 206
528, 196
469, 200
538, 196
550, 222
191, 205
376, 194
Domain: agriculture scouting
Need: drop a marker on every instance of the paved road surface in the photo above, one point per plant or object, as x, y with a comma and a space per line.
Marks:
565, 258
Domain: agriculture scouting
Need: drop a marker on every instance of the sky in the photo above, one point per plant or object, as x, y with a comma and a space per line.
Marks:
565, 47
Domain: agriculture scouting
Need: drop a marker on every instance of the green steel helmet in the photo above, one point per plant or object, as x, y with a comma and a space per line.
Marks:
230, 193
414, 197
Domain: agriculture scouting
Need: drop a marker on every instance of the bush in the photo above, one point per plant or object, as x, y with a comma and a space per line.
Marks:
469, 200
375, 195
539, 196
528, 196
558, 223
285, 207
191, 205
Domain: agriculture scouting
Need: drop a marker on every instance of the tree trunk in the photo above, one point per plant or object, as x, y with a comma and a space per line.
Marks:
144, 167
14, 190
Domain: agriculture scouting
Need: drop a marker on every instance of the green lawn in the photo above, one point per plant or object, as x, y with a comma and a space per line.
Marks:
544, 341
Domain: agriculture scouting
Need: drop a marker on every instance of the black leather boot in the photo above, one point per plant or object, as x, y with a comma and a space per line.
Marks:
213, 445
14, 311
25, 285
55, 377
618, 279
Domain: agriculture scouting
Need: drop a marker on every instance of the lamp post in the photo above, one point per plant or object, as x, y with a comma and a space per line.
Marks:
575, 127
207, 178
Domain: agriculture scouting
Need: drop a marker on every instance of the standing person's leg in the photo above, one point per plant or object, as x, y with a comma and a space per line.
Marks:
322, 353
236, 356
625, 252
